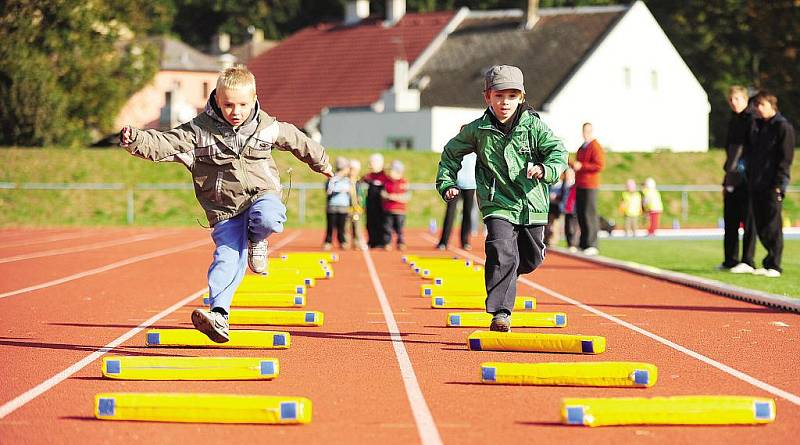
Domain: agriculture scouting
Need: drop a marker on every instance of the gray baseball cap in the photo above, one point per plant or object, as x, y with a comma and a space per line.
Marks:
503, 77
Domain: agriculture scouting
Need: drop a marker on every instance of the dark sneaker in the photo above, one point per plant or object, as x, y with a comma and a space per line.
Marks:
213, 324
257, 256
500, 323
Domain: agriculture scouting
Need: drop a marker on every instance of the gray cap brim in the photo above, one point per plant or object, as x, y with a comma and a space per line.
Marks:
507, 86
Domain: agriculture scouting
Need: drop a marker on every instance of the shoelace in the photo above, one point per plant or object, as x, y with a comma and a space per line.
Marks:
259, 248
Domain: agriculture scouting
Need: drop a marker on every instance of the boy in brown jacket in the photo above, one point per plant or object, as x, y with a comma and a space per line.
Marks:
228, 150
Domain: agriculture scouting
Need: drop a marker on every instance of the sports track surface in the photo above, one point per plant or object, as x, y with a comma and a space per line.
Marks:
384, 368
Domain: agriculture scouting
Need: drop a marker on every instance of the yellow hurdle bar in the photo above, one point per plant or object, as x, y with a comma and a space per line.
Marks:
530, 342
240, 338
601, 374
189, 368
683, 410
518, 319
330, 257
202, 408
521, 303
477, 289
276, 318
278, 278
265, 300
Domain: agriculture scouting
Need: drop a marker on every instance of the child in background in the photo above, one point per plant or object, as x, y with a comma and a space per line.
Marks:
338, 191
631, 207
395, 197
651, 203
518, 158
375, 180
228, 150
571, 226
358, 195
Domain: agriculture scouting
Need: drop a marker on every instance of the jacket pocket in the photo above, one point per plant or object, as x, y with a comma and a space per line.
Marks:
209, 187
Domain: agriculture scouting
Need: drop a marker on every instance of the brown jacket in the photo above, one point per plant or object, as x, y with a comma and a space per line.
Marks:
229, 174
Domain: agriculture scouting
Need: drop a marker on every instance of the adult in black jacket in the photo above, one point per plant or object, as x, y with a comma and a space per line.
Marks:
736, 200
768, 161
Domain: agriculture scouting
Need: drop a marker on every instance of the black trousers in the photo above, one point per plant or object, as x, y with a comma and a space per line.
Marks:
767, 212
511, 251
571, 229
374, 215
736, 211
467, 204
336, 221
586, 211
393, 222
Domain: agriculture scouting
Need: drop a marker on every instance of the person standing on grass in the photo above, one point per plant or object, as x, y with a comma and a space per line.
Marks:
518, 157
358, 194
571, 229
589, 162
630, 206
465, 182
737, 208
768, 160
338, 205
228, 149
652, 205
395, 197
375, 180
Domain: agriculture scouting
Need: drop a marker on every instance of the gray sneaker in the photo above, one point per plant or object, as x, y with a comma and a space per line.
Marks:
257, 256
213, 324
501, 322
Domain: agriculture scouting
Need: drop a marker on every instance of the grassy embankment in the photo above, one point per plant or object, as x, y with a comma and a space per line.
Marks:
178, 207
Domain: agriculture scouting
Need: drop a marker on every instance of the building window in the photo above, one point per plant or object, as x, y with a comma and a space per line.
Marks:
654, 79
168, 98
627, 75
401, 142
205, 89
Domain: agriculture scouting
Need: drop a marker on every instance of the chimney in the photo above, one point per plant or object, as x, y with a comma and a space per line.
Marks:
355, 11
395, 10
400, 75
221, 43
400, 98
257, 35
531, 14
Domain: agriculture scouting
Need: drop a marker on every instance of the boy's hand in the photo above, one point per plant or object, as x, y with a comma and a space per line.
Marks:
126, 136
451, 193
535, 171
328, 171
577, 165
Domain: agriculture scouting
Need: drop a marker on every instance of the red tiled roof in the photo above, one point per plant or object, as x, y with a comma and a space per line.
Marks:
332, 65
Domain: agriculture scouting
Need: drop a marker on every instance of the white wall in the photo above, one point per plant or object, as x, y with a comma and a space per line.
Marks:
429, 128
638, 116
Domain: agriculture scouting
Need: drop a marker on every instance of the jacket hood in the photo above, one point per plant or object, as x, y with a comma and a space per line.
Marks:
213, 110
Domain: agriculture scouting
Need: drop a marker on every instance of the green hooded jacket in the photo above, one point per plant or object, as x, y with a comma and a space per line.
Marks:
503, 189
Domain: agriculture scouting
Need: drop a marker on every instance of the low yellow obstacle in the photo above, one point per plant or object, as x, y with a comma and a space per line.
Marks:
409, 259
202, 408
265, 300
521, 303
314, 271
255, 283
276, 318
518, 320
467, 288
530, 342
189, 368
476, 279
605, 374
330, 257
684, 410
240, 338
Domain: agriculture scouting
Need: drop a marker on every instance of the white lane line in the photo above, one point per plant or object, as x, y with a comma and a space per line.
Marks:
428, 433
22, 399
83, 248
696, 355
106, 268
35, 240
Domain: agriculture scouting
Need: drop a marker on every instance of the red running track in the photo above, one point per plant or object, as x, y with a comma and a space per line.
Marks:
67, 293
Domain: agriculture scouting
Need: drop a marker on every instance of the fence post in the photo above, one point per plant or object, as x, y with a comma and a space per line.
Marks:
130, 205
684, 205
301, 198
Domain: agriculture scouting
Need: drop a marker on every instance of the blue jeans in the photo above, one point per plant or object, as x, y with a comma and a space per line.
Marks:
230, 236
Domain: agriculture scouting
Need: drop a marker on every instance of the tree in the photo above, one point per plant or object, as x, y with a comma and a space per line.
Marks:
68, 66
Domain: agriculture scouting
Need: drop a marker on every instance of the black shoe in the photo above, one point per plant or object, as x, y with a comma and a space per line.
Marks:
501, 322
441, 247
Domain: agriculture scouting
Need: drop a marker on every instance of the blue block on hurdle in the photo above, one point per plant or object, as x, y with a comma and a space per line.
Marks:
428, 292
438, 301
267, 367
310, 317
641, 377
298, 300
763, 410
475, 344
575, 415
489, 373
106, 407
307, 281
561, 320
299, 290
528, 304
587, 346
279, 340
153, 338
113, 366
288, 410
437, 281
206, 301
455, 320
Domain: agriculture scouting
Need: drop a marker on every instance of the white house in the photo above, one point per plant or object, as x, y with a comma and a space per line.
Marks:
612, 66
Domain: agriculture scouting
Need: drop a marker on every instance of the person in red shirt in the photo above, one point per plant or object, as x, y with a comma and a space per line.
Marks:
395, 196
589, 162
375, 180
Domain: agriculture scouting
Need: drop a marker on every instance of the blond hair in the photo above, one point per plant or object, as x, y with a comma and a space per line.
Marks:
237, 77
737, 90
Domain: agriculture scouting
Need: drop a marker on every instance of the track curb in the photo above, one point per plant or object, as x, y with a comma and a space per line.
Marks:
704, 284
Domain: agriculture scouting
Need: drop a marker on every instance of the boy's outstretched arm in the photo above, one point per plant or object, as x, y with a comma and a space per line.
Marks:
160, 146
303, 148
554, 156
450, 162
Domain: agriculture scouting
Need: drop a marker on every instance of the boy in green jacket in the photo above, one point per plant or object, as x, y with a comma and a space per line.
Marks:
518, 158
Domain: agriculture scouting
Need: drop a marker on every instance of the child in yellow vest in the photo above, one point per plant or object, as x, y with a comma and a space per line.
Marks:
651, 203
631, 207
